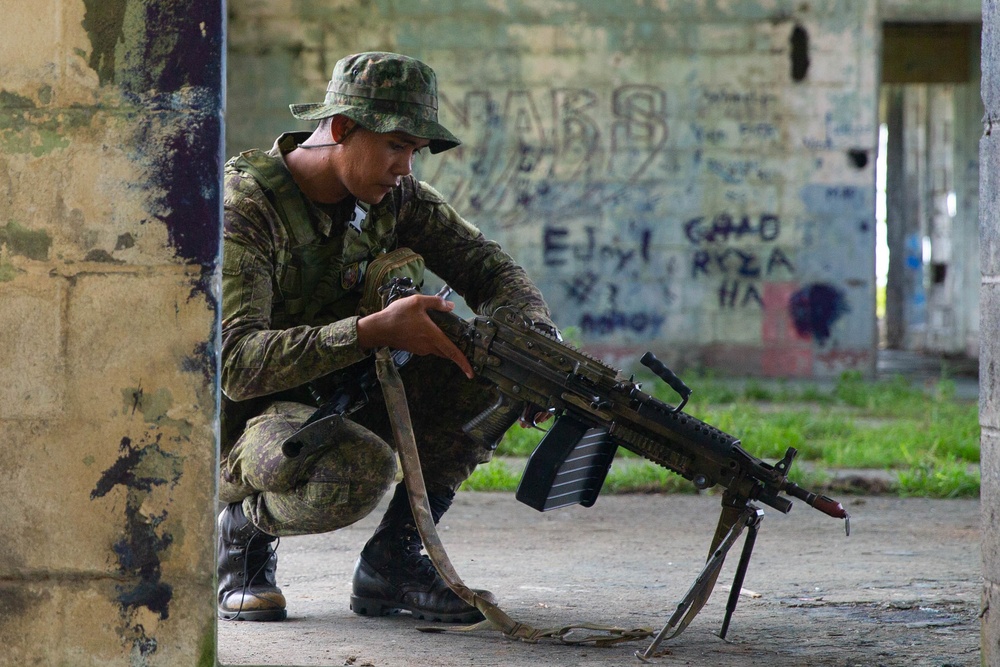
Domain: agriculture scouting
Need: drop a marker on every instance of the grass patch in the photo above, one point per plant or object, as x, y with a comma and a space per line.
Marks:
921, 432
940, 479
497, 475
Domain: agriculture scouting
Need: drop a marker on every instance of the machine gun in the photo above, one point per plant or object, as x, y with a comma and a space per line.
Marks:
597, 410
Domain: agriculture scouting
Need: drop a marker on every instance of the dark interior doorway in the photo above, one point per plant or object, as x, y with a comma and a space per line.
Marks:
927, 185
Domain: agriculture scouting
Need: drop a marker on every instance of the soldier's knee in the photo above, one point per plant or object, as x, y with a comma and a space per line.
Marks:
350, 489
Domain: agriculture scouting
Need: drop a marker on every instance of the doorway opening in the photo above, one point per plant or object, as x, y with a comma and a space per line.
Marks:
927, 179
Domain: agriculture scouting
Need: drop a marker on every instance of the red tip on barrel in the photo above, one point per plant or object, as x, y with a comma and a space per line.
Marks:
829, 506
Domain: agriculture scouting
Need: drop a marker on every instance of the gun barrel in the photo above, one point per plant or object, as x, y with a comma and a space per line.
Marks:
824, 504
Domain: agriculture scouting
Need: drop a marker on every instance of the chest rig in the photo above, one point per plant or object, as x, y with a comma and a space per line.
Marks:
320, 279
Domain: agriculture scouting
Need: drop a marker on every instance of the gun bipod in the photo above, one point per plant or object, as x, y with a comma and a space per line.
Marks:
749, 517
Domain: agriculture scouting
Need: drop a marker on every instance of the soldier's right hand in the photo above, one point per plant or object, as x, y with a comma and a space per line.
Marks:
405, 325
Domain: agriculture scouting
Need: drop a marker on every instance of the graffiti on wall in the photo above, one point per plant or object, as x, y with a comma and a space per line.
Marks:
815, 308
603, 275
632, 206
737, 253
551, 150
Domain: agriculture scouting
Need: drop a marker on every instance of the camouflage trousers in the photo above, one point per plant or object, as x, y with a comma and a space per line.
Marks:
340, 484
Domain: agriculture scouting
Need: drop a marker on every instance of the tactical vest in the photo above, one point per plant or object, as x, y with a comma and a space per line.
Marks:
323, 280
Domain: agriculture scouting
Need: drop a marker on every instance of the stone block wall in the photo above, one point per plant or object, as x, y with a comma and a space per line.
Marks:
110, 163
692, 178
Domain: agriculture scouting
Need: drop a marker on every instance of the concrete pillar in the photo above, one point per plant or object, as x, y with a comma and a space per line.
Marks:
110, 146
915, 212
897, 292
989, 396
965, 240
941, 304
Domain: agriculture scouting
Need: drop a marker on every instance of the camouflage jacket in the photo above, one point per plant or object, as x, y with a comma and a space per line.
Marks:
268, 346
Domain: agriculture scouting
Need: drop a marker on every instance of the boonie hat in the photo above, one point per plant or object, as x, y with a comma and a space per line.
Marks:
384, 92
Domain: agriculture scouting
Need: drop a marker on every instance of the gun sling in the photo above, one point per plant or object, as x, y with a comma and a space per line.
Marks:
496, 618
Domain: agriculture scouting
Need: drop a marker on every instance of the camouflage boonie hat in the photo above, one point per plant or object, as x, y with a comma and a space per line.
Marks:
384, 92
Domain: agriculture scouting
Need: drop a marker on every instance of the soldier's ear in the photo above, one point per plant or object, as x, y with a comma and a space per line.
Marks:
340, 127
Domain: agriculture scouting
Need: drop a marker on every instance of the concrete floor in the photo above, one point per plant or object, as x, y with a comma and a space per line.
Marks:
902, 591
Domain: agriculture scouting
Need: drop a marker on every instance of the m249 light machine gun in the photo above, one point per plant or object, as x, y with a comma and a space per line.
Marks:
597, 410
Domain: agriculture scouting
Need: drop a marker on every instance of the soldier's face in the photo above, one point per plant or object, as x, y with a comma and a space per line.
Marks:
374, 163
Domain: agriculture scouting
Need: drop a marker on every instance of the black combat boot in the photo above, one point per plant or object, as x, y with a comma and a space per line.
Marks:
247, 563
392, 574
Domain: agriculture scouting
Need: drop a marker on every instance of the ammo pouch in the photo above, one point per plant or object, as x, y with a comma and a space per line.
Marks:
398, 263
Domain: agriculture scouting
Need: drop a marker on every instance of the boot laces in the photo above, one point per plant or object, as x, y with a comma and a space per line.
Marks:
260, 569
416, 562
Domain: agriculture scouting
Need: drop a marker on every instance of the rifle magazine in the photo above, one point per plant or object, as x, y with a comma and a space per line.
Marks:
568, 467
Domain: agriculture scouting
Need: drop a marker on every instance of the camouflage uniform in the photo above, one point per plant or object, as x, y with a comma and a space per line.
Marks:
289, 317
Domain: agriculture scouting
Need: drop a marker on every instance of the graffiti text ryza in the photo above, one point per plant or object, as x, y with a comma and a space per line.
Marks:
740, 268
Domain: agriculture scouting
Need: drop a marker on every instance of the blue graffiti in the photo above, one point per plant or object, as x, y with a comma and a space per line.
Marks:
815, 308
612, 321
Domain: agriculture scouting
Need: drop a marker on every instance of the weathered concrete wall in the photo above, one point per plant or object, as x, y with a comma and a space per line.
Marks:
989, 359
691, 178
930, 10
110, 147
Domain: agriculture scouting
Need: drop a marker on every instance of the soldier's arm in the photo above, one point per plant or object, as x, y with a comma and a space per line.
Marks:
475, 267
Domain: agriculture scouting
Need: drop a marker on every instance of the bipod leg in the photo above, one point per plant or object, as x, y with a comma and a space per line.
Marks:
700, 591
753, 526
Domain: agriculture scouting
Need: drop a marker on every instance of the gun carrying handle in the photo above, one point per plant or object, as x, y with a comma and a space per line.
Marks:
489, 426
652, 363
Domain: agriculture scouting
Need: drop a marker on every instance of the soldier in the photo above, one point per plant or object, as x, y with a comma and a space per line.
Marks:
312, 228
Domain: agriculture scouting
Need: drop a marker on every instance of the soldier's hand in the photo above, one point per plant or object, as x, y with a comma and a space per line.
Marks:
405, 325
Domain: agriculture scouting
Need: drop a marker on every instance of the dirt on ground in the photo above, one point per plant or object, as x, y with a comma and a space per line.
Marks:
903, 589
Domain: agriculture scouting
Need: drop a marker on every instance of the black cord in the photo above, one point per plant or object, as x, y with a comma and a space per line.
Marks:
246, 565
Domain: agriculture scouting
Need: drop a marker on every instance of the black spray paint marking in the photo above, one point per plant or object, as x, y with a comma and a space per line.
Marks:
815, 308
170, 70
141, 470
858, 158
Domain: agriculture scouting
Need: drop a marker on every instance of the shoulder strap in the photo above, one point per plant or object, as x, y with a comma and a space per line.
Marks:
281, 191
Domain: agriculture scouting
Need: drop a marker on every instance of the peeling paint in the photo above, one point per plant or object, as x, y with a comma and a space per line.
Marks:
24, 129
141, 469
154, 408
104, 23
15, 101
25, 242
7, 271
171, 69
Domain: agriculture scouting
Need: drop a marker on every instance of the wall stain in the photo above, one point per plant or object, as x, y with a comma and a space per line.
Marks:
102, 257
7, 271
104, 22
858, 157
799, 43
170, 71
154, 406
141, 469
9, 100
815, 308
26, 129
22, 241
